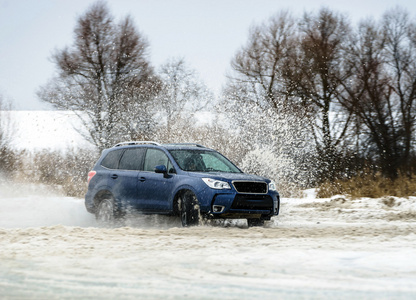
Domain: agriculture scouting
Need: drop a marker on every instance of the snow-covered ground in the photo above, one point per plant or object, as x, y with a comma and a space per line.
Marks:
52, 130
51, 248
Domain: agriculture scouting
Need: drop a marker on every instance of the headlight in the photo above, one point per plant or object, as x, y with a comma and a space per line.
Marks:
216, 184
272, 186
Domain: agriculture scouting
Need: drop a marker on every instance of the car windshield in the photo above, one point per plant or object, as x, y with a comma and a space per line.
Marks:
203, 161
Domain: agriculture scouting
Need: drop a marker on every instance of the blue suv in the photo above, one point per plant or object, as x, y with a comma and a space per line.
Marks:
187, 180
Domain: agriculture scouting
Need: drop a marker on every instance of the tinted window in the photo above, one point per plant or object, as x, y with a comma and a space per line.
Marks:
112, 159
132, 159
203, 161
155, 158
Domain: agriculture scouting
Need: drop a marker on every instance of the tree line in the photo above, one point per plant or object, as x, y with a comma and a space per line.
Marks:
350, 91
325, 99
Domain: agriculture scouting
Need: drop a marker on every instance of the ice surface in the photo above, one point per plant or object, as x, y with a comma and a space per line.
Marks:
51, 248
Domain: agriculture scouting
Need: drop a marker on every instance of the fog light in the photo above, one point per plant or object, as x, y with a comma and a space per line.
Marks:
218, 208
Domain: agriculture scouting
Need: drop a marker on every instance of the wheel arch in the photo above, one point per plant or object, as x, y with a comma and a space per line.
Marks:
100, 195
180, 192
175, 203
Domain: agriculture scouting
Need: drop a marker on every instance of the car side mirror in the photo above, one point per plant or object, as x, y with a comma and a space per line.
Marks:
161, 169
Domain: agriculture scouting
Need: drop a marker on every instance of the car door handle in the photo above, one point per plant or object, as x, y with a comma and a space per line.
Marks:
142, 179
114, 176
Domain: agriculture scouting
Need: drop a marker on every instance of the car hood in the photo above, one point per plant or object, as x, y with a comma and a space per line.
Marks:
229, 176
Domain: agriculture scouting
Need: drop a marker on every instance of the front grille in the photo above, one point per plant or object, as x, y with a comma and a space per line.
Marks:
253, 202
250, 187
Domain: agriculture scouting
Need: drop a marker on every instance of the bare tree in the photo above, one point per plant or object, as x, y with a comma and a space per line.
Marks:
256, 89
258, 66
7, 155
314, 75
136, 118
400, 36
182, 94
98, 74
383, 89
258, 100
367, 92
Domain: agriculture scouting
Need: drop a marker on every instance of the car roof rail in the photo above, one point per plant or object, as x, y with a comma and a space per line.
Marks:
129, 143
186, 144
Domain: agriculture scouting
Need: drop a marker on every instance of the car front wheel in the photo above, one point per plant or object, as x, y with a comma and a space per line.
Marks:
255, 222
189, 209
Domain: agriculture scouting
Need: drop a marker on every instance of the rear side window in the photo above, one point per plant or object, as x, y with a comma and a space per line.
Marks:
132, 159
112, 159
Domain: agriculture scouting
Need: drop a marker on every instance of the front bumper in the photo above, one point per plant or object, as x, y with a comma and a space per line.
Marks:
238, 205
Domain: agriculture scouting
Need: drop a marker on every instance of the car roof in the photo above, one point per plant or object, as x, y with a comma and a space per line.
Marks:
169, 146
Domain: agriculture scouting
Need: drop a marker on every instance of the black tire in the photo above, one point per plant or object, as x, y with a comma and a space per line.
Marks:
105, 212
255, 222
189, 209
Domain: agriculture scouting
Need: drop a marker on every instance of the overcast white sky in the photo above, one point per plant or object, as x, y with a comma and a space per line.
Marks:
206, 33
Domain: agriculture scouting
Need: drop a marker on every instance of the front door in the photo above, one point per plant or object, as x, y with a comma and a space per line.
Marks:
155, 189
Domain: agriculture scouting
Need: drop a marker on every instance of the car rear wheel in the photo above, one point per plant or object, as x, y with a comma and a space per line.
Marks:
189, 209
104, 213
255, 222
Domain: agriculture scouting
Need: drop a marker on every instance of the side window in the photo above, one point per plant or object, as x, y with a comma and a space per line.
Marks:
155, 157
112, 159
132, 159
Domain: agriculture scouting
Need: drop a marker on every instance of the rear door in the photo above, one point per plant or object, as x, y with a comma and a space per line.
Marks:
125, 179
109, 167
